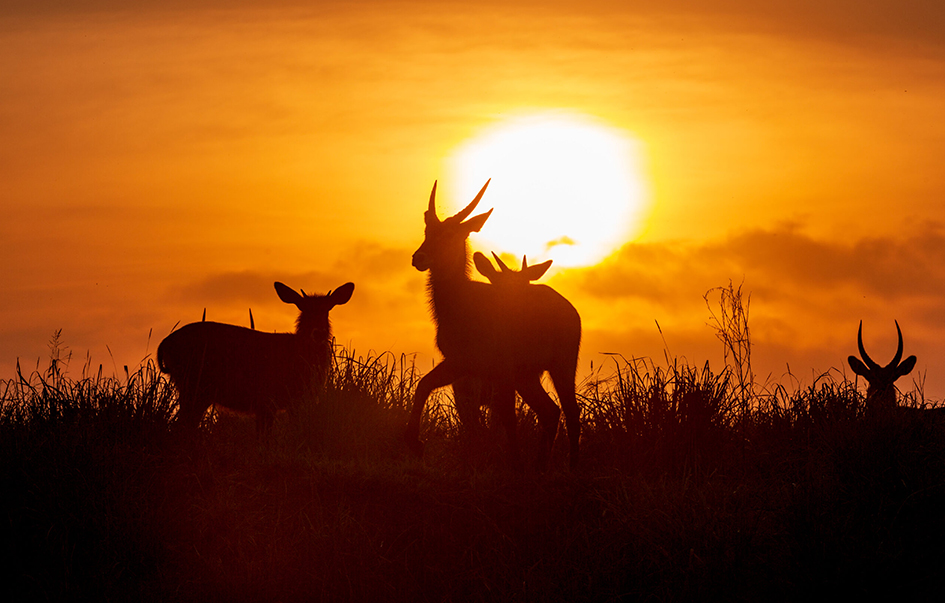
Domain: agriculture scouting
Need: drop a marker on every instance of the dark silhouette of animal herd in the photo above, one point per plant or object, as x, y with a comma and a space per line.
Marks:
504, 334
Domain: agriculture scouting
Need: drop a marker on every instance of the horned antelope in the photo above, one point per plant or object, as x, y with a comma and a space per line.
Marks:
481, 336
470, 395
881, 393
250, 371
507, 276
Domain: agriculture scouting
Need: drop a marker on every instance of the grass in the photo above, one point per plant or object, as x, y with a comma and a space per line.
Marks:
695, 486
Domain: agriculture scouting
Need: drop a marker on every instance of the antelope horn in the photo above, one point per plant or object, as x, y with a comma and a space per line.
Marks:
469, 208
524, 262
898, 356
866, 357
501, 263
431, 209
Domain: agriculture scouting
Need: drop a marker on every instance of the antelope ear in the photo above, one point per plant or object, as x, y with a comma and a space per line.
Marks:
484, 266
286, 294
342, 294
858, 367
906, 367
533, 273
475, 223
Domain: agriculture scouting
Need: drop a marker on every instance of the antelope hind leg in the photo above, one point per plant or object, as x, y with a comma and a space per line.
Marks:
548, 413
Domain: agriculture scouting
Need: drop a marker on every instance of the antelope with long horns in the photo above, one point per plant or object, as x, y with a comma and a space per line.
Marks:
482, 333
246, 370
881, 392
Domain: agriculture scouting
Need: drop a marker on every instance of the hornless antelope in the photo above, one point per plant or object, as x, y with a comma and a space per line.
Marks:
881, 393
250, 371
482, 334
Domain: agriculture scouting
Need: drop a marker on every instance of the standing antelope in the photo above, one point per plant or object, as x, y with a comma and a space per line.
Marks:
881, 393
481, 335
250, 371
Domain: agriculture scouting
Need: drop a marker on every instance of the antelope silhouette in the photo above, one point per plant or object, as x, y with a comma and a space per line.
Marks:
881, 392
470, 394
483, 332
250, 371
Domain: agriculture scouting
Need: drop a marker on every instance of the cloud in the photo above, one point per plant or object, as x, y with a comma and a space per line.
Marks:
893, 269
806, 295
862, 20
782, 259
859, 21
388, 309
370, 266
374, 261
245, 286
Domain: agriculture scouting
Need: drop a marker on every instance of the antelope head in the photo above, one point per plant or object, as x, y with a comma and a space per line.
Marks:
313, 309
444, 241
881, 392
506, 275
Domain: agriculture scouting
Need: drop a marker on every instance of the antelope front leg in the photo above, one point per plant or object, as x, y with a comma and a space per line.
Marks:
442, 374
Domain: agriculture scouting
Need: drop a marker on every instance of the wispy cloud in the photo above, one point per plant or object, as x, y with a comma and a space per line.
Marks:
245, 286
893, 269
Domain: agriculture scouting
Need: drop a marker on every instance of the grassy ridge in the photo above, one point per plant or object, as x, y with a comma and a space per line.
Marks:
691, 489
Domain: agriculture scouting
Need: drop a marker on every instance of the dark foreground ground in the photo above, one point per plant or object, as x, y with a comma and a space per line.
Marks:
688, 491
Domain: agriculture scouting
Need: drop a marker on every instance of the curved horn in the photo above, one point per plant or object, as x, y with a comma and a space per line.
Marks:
501, 263
898, 356
462, 215
859, 342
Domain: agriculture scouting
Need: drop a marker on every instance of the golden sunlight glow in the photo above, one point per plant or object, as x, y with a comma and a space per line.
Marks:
564, 187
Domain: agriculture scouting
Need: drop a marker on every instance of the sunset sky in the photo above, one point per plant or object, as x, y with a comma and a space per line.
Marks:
176, 156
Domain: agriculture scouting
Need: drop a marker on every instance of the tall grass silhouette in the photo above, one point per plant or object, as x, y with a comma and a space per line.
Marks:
691, 491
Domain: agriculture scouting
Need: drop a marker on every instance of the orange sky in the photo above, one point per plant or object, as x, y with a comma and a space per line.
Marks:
156, 161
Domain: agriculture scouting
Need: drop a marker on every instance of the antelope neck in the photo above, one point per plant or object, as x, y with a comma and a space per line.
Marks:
448, 288
314, 327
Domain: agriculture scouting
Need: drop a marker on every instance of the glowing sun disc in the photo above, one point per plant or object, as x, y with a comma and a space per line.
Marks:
563, 187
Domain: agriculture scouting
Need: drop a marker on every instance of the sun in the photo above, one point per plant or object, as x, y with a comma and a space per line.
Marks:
564, 187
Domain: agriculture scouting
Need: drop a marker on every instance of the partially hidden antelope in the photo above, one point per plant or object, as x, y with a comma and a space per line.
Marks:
506, 276
507, 340
881, 393
467, 397
250, 371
